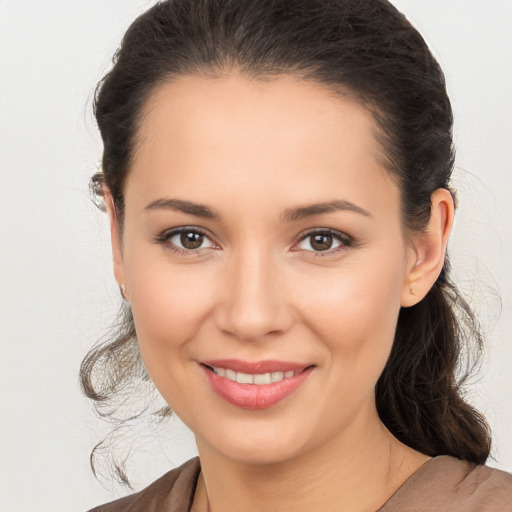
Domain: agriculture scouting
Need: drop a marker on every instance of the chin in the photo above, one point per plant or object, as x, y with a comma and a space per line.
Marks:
257, 445
263, 456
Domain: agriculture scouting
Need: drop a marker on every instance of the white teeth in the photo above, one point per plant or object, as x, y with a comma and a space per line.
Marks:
244, 378
257, 378
262, 378
277, 376
231, 375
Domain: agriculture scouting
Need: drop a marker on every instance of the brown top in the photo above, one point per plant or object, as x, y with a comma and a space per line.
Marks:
442, 484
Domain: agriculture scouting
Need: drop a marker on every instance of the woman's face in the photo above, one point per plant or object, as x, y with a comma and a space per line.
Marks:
262, 244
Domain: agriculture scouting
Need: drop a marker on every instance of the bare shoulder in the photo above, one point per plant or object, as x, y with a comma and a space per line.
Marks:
452, 485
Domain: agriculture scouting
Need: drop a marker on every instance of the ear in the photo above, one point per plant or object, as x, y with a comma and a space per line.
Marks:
117, 242
428, 249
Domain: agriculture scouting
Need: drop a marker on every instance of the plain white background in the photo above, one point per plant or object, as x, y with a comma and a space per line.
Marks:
57, 292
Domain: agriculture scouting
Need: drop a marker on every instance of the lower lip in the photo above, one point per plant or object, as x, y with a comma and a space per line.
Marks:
255, 396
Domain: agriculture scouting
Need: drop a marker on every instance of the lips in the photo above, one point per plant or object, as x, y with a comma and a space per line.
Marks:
255, 385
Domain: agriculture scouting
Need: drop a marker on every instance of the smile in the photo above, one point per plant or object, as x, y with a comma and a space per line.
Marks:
255, 385
256, 378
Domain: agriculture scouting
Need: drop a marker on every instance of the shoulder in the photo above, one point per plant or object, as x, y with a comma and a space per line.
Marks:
449, 484
174, 491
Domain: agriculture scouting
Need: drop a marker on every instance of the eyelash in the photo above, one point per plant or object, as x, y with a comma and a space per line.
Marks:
163, 238
346, 241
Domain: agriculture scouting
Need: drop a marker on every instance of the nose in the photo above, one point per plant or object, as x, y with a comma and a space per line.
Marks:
252, 301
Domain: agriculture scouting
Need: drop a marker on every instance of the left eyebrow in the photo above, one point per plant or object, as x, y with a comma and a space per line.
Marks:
295, 214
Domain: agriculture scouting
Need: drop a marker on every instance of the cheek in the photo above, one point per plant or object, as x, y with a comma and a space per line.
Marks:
169, 305
354, 311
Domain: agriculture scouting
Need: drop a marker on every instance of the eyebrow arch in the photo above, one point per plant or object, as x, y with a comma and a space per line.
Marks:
179, 205
295, 214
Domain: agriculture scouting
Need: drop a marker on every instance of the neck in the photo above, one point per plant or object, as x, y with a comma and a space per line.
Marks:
357, 470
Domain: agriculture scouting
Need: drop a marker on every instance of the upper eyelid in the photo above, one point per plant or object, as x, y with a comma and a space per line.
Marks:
180, 229
346, 241
323, 230
169, 233
164, 238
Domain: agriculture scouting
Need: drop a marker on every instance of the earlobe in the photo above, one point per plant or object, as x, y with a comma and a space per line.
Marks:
428, 251
117, 245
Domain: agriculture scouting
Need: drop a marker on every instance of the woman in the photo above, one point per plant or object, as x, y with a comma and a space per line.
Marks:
276, 175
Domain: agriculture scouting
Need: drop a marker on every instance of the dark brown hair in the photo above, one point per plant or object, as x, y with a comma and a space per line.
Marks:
365, 49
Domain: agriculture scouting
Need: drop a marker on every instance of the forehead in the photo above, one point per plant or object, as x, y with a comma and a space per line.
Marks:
294, 135
203, 107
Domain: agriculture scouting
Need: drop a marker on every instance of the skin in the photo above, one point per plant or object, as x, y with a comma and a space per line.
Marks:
256, 288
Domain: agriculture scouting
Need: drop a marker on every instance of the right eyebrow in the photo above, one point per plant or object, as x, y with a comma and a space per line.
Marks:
179, 205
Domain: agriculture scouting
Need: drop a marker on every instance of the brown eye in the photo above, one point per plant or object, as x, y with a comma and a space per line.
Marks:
328, 241
191, 240
321, 241
185, 241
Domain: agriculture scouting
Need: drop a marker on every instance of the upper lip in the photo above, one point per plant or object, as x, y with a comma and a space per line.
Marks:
255, 367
